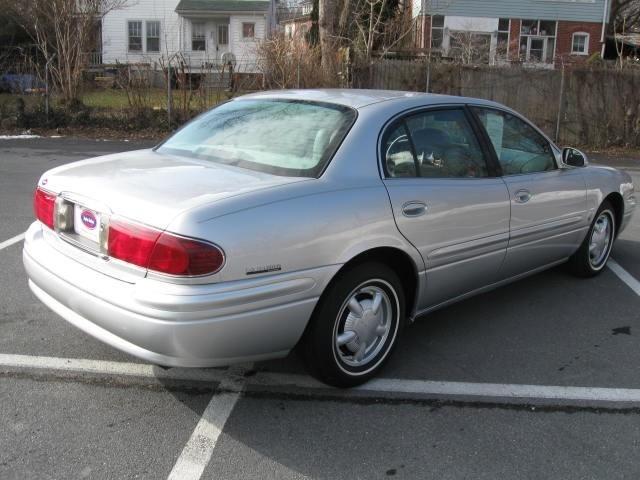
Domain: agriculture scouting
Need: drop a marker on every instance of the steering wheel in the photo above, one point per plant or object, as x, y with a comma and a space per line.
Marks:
390, 163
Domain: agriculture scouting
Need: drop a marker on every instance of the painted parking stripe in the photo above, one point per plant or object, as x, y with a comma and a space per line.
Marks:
507, 391
11, 241
374, 388
103, 367
197, 453
625, 276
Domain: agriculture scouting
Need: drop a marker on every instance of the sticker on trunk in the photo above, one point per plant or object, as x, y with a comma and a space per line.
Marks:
86, 223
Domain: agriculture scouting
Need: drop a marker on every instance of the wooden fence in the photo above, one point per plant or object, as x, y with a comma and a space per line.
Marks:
577, 106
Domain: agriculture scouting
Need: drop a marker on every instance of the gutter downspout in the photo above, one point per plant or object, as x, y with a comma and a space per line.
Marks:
604, 27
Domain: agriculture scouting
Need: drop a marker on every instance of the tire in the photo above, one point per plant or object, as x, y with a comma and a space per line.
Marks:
367, 337
594, 252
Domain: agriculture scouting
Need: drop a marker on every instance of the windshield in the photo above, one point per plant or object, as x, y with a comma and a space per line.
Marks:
280, 137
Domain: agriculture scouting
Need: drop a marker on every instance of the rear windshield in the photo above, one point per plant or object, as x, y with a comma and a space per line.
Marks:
280, 137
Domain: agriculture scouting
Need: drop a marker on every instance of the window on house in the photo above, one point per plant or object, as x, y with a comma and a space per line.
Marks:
153, 36
135, 36
580, 44
248, 30
502, 48
538, 41
223, 34
470, 48
198, 37
437, 31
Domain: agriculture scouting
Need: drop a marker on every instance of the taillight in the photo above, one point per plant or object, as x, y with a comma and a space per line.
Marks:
161, 251
43, 206
131, 243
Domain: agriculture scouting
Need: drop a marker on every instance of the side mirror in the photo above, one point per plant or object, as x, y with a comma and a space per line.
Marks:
574, 157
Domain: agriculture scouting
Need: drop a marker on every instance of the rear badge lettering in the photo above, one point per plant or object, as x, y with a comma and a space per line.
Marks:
88, 219
264, 269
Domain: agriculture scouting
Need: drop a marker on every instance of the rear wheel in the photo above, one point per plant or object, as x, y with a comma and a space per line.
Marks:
355, 326
593, 254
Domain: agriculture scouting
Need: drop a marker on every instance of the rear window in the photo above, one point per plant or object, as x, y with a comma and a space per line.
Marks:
280, 137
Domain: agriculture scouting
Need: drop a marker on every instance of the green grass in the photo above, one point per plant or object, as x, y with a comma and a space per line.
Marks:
115, 99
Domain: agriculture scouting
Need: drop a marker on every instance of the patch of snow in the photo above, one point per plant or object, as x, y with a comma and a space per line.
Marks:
13, 137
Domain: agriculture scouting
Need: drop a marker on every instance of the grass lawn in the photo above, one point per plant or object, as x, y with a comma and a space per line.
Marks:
117, 99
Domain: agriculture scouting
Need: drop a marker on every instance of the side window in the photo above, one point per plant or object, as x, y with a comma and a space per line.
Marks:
397, 153
445, 145
519, 147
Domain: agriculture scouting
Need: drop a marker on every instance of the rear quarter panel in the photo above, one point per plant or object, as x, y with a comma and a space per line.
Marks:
313, 225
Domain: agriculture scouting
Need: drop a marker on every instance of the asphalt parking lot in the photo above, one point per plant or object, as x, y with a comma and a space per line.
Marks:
539, 379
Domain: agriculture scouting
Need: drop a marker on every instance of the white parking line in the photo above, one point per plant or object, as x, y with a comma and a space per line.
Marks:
623, 275
232, 381
507, 391
103, 367
197, 453
11, 241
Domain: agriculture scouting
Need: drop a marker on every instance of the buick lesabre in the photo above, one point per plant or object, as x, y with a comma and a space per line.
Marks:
326, 220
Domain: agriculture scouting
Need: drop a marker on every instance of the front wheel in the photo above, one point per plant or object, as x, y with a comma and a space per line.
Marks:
355, 326
593, 254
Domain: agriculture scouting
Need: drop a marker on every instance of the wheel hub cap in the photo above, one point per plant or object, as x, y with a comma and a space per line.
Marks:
600, 240
366, 327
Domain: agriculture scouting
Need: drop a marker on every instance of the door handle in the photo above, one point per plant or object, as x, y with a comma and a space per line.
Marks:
414, 209
522, 196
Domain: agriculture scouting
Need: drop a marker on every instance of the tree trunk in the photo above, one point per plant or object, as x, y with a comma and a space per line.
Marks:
326, 24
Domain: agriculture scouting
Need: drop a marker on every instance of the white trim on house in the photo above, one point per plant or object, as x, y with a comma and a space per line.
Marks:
585, 49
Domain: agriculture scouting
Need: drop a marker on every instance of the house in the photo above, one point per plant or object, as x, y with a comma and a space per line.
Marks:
202, 32
541, 32
295, 20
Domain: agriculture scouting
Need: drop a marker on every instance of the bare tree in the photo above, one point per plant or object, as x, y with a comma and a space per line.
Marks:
376, 25
64, 31
327, 14
627, 11
469, 48
290, 63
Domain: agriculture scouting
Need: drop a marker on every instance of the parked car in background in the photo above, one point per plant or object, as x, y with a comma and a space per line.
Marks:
322, 219
20, 83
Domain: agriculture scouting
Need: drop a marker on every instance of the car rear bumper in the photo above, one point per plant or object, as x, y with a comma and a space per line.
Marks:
177, 325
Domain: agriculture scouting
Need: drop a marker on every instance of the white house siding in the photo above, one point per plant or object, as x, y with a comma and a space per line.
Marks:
115, 38
471, 24
572, 10
175, 34
245, 50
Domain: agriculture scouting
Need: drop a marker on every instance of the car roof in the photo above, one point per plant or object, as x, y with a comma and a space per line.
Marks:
359, 98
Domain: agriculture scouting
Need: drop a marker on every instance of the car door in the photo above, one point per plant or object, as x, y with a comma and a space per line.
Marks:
549, 214
446, 200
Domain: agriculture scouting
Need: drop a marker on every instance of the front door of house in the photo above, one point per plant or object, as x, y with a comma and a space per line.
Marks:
220, 40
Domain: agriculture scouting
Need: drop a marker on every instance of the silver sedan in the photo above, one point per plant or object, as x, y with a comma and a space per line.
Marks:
326, 220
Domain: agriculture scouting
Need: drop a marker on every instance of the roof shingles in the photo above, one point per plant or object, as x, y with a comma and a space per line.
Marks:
222, 6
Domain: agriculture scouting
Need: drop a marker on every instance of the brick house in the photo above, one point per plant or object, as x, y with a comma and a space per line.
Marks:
540, 32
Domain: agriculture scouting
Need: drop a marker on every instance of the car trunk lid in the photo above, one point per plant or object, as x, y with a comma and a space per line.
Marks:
153, 188
141, 186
